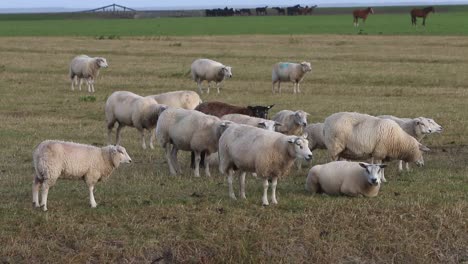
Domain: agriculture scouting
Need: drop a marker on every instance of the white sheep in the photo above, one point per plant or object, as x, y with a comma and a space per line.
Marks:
178, 99
289, 72
85, 67
269, 154
345, 177
188, 130
360, 136
209, 70
292, 122
53, 159
315, 137
129, 109
416, 127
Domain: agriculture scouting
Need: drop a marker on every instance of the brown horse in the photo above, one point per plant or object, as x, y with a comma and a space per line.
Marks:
421, 13
361, 14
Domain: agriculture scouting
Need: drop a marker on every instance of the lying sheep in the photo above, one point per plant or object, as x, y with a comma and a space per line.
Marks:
360, 136
416, 127
344, 177
211, 71
129, 109
292, 122
315, 136
53, 159
178, 99
289, 72
269, 154
188, 130
85, 67
220, 109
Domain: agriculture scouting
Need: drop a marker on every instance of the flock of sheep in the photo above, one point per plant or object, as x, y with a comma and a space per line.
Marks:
236, 138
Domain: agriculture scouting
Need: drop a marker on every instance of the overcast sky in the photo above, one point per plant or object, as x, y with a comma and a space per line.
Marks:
185, 4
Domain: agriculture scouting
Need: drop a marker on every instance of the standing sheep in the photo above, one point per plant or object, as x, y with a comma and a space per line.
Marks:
178, 99
188, 130
53, 159
344, 177
129, 109
209, 70
85, 67
292, 122
416, 127
269, 154
289, 72
360, 136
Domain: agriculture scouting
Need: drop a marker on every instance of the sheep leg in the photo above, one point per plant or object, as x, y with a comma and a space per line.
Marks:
294, 87
169, 159
242, 185
197, 164
279, 87
407, 166
218, 86
231, 189
143, 141
117, 134
81, 82
376, 161
208, 89
110, 126
400, 166
174, 159
265, 190
73, 82
89, 85
152, 137
273, 88
91, 196
199, 86
45, 193
207, 166
298, 88
274, 182
35, 192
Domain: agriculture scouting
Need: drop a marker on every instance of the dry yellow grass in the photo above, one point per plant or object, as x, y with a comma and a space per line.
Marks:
145, 215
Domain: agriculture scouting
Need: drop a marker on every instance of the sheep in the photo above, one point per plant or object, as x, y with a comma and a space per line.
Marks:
220, 109
53, 159
85, 67
315, 137
289, 72
209, 70
360, 136
179, 99
268, 154
416, 127
292, 122
129, 109
188, 130
345, 177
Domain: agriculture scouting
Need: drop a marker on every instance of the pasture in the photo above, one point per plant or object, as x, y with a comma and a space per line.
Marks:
146, 216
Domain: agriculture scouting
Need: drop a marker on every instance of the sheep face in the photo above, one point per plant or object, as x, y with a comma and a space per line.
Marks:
420, 160
101, 62
436, 128
260, 111
268, 125
306, 67
120, 155
226, 72
423, 126
373, 172
301, 147
300, 118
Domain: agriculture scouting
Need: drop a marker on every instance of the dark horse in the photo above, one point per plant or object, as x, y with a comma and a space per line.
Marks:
421, 13
361, 14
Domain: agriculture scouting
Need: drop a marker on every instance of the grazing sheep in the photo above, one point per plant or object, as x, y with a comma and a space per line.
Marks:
220, 109
209, 70
360, 136
178, 99
416, 127
188, 130
129, 109
53, 159
289, 72
345, 177
292, 122
269, 154
315, 136
85, 67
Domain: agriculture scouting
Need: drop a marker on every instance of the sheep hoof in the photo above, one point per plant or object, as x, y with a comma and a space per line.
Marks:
233, 197
265, 204
44, 208
93, 205
35, 205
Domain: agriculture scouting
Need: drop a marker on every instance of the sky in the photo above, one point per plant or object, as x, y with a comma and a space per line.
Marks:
190, 4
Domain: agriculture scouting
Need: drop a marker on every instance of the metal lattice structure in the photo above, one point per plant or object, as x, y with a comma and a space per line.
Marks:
113, 8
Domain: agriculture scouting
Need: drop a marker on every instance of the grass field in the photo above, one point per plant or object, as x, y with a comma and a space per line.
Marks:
145, 215
448, 23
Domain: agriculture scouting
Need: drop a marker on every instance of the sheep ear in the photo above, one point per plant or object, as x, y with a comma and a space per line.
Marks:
424, 148
291, 140
363, 164
270, 106
163, 108
261, 124
278, 124
382, 165
305, 135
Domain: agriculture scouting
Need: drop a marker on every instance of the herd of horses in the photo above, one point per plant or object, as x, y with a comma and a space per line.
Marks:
415, 13
299, 10
260, 11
